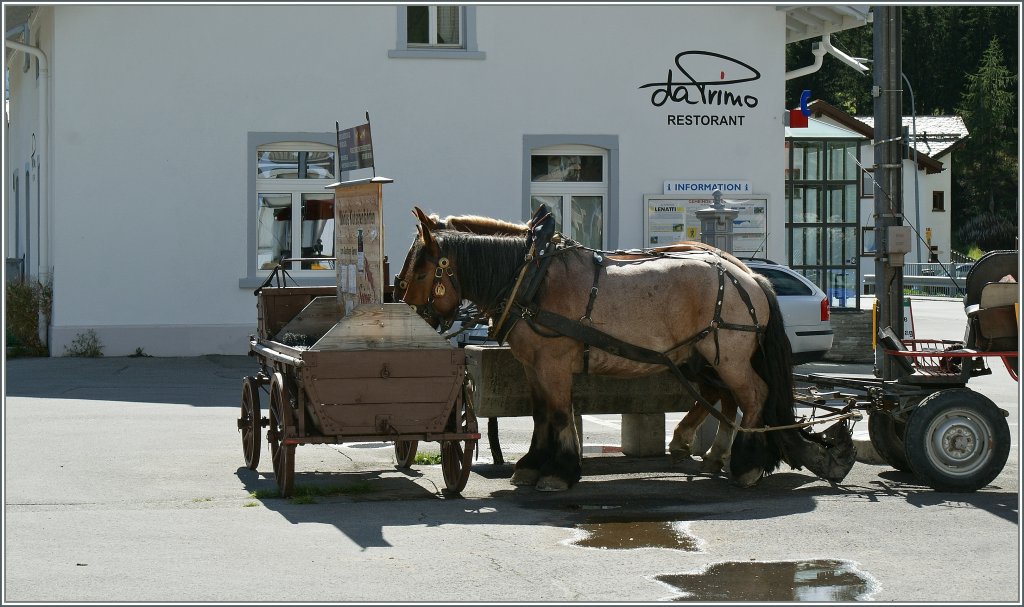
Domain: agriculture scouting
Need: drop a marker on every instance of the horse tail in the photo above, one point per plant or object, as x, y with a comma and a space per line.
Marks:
773, 361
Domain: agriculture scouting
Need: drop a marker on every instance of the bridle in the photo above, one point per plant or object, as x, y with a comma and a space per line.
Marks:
442, 268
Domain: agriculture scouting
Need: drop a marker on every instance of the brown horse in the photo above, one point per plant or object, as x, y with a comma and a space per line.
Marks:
681, 445
665, 305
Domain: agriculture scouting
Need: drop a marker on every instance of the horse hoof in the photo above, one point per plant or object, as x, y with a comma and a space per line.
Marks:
748, 479
525, 477
551, 483
680, 456
712, 465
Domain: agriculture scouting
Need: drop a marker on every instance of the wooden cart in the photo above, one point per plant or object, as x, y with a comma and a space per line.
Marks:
377, 374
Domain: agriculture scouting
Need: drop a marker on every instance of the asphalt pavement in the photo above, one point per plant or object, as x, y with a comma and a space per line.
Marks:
124, 481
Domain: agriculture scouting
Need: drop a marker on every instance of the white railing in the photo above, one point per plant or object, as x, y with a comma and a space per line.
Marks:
946, 269
932, 286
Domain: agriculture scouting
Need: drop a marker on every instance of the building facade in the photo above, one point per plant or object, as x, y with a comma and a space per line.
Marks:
157, 156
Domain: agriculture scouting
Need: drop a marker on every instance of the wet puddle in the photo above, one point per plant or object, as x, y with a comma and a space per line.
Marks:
819, 580
624, 532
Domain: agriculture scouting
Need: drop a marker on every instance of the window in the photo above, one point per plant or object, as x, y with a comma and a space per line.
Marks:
572, 182
289, 208
823, 202
436, 32
867, 183
433, 26
938, 201
290, 183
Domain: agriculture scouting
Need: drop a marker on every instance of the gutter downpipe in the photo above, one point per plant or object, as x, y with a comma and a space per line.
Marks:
43, 173
819, 49
43, 150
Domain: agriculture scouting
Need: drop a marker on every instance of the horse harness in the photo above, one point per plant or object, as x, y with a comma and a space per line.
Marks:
550, 324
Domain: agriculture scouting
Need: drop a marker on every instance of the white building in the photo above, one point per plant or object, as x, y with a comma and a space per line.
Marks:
927, 180
155, 154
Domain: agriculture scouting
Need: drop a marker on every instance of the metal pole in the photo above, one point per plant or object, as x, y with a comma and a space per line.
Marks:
888, 106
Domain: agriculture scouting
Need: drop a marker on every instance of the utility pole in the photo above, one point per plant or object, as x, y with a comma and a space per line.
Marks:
888, 142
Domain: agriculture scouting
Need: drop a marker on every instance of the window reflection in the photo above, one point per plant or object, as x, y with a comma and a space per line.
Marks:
280, 164
566, 168
274, 229
587, 220
554, 205
318, 230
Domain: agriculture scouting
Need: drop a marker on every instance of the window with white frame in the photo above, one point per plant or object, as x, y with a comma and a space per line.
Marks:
436, 32
294, 213
572, 181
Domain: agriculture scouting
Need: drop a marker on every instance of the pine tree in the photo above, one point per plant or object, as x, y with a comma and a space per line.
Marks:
988, 107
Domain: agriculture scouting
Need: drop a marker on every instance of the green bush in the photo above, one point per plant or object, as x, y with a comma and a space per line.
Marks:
26, 301
86, 345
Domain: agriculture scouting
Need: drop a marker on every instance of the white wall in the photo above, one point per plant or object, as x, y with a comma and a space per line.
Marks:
939, 222
153, 104
23, 149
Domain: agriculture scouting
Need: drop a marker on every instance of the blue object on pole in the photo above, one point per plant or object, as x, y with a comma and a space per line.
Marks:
804, 98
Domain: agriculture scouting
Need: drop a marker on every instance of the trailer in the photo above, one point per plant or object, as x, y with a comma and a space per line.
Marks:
378, 373
928, 421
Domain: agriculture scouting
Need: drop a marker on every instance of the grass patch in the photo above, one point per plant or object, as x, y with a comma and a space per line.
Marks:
250, 504
264, 493
428, 459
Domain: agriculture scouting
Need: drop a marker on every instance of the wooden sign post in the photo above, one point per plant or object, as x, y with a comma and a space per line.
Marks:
359, 242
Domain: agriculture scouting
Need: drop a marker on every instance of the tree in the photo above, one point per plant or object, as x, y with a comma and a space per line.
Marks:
988, 106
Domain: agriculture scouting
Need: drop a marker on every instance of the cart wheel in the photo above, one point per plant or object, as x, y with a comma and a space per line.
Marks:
886, 436
957, 440
249, 422
405, 452
282, 454
457, 455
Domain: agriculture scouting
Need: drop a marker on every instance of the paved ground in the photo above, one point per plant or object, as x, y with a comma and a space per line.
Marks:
124, 481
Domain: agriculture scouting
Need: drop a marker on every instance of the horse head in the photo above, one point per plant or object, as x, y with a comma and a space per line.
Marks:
427, 280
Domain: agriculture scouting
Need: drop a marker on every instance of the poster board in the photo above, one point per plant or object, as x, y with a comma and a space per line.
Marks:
359, 243
672, 218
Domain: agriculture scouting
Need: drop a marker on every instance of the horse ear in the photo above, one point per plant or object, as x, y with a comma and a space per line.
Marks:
424, 229
424, 218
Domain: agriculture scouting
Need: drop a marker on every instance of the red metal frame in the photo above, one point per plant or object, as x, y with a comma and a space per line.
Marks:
929, 355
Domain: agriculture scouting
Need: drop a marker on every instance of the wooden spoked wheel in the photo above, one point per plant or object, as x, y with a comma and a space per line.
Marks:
405, 452
282, 454
249, 422
457, 455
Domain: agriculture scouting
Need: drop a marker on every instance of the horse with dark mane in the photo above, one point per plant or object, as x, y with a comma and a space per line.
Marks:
652, 313
684, 434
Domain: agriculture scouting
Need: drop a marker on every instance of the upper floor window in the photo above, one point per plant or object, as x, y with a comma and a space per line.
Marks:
434, 26
436, 32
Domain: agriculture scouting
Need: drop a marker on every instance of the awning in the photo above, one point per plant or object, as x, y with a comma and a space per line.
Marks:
816, 20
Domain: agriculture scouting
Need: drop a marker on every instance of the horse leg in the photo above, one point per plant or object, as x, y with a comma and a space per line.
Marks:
749, 454
681, 446
716, 457
527, 469
565, 465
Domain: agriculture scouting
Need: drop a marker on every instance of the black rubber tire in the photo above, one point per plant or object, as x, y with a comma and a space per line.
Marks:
957, 440
886, 436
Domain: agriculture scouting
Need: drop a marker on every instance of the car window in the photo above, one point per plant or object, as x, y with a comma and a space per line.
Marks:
785, 284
